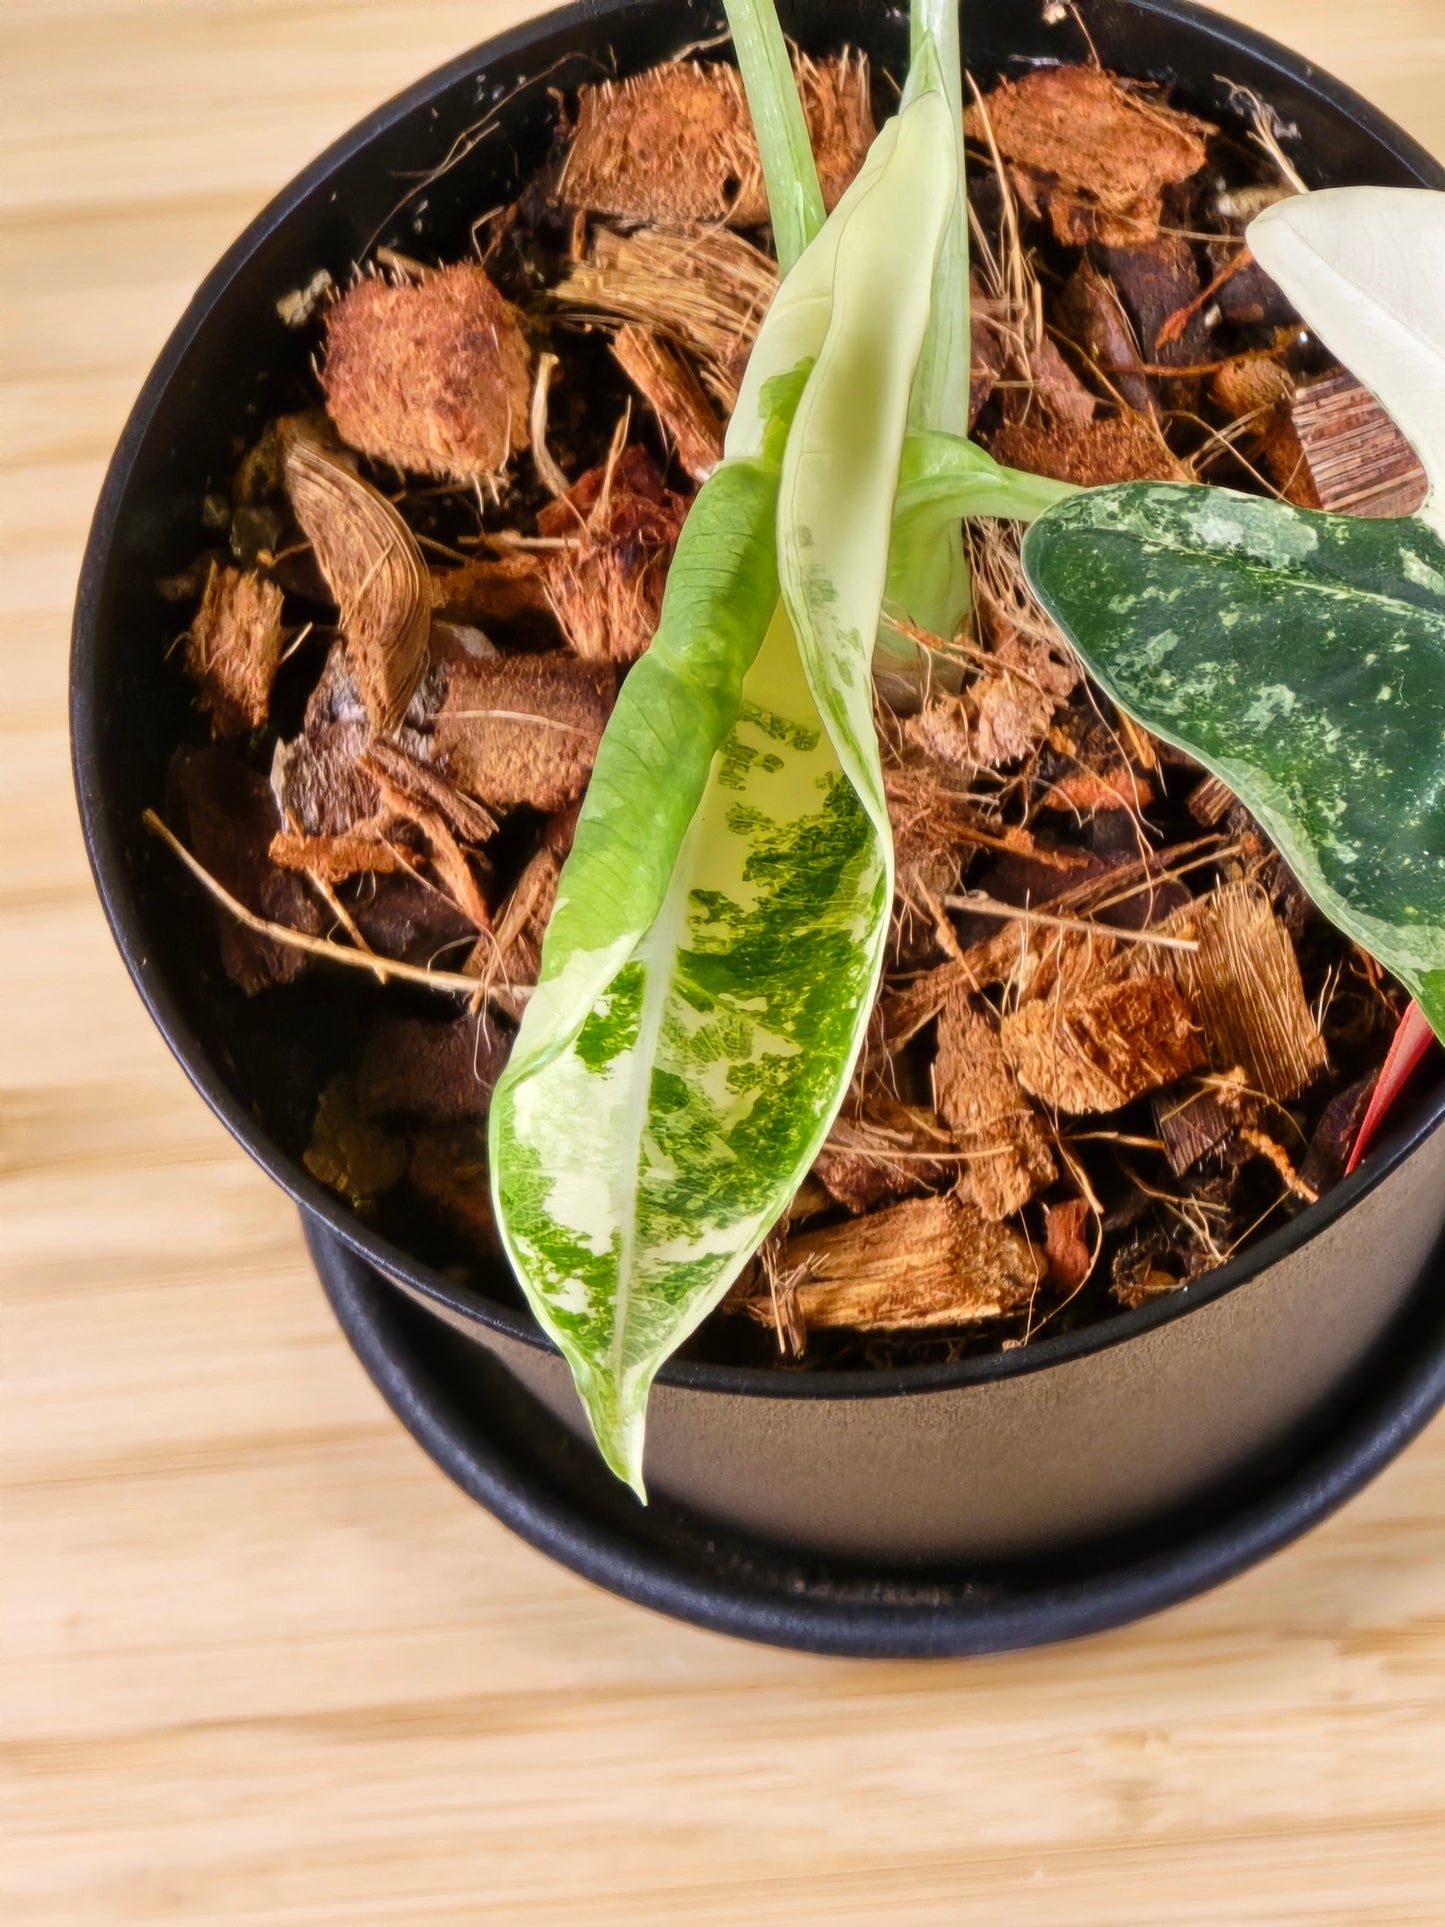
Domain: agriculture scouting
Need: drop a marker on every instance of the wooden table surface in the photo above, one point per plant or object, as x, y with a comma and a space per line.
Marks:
262, 1663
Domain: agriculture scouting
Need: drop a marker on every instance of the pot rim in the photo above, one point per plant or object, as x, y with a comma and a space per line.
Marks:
103, 837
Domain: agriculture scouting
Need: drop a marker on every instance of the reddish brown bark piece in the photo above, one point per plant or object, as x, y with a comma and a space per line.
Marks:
1156, 280
425, 1071
621, 524
1104, 1048
1066, 1248
676, 143
524, 729
434, 377
1128, 448
335, 858
1358, 461
978, 1095
1244, 985
409, 919
927, 1262
233, 648
668, 385
880, 1150
230, 819
1094, 153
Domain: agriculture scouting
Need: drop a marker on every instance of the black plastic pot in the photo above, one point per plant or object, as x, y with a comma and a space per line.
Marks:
1074, 1438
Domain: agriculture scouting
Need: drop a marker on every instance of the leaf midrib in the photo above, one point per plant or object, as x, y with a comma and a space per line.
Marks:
1269, 572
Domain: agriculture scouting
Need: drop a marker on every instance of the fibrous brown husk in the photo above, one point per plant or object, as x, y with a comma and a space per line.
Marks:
620, 523
676, 144
1094, 153
414, 788
880, 1150
524, 729
1252, 384
1103, 1048
978, 1096
1358, 461
668, 385
1244, 985
233, 648
230, 819
1124, 448
924, 1263
433, 377
703, 288
371, 560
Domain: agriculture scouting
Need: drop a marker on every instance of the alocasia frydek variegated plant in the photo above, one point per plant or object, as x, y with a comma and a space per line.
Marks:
711, 961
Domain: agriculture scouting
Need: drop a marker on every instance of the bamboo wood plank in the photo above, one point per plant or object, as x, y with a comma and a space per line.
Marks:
262, 1665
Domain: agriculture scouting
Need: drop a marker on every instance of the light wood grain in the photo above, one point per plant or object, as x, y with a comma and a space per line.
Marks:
262, 1664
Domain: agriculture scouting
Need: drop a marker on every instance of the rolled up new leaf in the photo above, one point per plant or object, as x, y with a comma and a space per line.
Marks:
709, 968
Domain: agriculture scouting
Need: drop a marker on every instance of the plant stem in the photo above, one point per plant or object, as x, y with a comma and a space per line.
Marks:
795, 199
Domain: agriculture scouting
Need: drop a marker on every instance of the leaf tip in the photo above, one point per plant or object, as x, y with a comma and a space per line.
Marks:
617, 1412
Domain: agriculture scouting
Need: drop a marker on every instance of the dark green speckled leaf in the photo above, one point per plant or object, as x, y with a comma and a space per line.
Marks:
1301, 658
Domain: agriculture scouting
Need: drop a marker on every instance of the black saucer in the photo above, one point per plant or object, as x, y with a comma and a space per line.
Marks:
513, 1457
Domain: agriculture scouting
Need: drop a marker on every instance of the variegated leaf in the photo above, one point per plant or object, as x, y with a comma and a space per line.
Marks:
685, 1052
1301, 658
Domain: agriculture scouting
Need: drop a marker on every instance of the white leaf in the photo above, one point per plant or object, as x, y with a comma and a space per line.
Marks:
1365, 266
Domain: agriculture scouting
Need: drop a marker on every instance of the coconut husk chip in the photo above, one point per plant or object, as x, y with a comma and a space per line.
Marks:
524, 729
1123, 448
1103, 1048
880, 1150
705, 289
618, 526
1092, 153
667, 383
977, 1094
927, 1262
676, 144
433, 377
372, 562
233, 648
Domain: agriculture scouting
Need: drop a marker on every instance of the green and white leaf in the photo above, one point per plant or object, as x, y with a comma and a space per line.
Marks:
1365, 266
1301, 658
709, 967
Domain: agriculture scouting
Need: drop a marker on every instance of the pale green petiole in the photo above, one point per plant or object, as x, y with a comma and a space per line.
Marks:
795, 199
